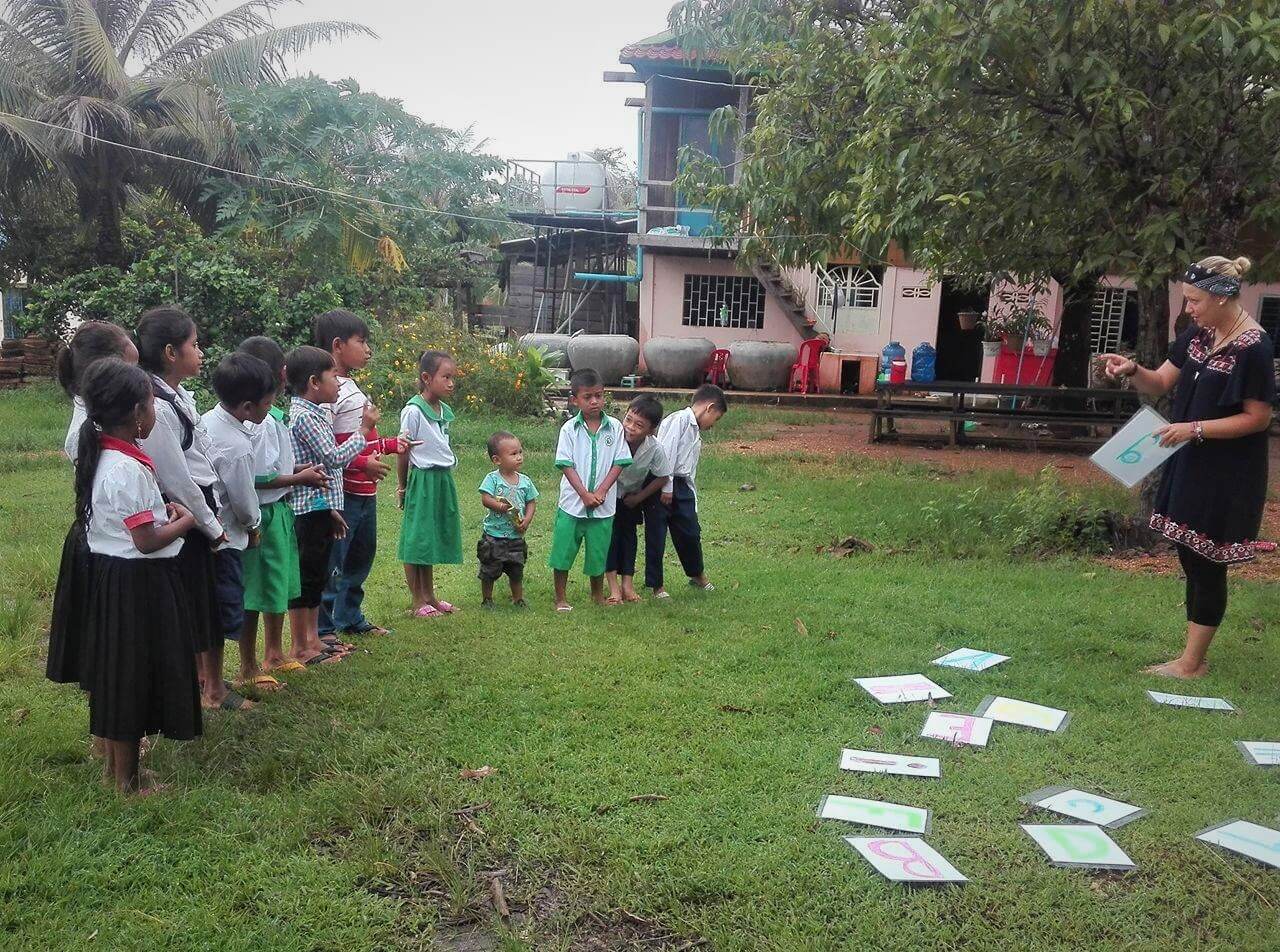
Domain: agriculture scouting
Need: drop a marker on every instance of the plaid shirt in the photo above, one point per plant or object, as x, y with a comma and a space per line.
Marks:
313, 442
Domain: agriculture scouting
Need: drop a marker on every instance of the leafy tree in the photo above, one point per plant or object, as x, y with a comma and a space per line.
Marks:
406, 177
145, 75
989, 136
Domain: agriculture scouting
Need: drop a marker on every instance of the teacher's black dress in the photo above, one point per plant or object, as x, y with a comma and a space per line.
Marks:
1212, 493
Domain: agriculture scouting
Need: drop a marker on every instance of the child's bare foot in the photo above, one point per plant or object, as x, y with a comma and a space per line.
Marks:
612, 600
1179, 669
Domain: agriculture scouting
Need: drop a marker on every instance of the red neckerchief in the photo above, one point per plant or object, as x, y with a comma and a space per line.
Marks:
132, 450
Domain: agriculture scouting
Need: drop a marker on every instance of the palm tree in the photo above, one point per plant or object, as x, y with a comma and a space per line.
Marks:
137, 73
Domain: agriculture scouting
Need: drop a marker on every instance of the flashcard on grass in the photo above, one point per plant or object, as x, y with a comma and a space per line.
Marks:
906, 859
890, 816
1260, 843
1187, 700
1078, 845
958, 728
871, 761
1009, 710
1260, 753
1081, 805
970, 659
902, 688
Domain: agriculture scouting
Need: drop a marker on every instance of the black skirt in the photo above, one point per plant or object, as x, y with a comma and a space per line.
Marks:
199, 578
140, 654
67, 644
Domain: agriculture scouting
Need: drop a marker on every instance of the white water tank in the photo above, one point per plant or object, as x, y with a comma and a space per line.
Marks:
577, 183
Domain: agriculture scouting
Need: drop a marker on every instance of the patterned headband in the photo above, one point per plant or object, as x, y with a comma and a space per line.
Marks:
1219, 284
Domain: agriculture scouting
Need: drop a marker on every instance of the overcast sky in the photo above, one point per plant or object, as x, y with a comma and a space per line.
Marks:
526, 75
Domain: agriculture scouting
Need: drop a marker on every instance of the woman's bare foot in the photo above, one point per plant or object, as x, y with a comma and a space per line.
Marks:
1177, 668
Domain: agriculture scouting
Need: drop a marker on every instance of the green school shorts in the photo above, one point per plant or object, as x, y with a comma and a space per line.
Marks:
569, 534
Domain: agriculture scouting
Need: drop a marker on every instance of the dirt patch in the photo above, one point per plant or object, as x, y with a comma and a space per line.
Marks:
454, 893
851, 435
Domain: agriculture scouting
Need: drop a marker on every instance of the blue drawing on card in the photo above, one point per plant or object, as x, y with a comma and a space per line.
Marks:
973, 660
1131, 456
1086, 803
1228, 833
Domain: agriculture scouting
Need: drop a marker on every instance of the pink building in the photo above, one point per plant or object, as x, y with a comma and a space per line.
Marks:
693, 286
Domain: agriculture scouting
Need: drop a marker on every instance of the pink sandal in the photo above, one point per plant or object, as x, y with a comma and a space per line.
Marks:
427, 611
446, 608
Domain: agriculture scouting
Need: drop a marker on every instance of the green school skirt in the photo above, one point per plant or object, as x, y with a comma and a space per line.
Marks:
271, 575
430, 533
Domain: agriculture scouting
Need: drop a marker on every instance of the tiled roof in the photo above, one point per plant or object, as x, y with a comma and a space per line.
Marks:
664, 47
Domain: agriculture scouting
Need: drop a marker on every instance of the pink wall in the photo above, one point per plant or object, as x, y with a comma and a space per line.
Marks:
908, 320
662, 303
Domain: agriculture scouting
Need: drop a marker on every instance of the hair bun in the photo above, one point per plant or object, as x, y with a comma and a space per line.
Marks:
1243, 265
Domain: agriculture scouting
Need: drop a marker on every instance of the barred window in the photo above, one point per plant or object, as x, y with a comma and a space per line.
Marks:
723, 300
1269, 315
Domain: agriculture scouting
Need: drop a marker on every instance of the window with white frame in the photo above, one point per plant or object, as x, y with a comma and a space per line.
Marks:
850, 285
1106, 324
723, 300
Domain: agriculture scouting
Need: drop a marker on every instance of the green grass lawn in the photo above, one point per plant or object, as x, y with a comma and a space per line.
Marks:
325, 819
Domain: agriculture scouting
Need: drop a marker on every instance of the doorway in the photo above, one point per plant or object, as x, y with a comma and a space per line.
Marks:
959, 351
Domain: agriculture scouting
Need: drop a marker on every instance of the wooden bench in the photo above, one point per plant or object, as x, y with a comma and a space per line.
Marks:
1097, 413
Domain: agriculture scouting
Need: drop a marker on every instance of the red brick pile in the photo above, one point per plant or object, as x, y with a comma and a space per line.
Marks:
30, 358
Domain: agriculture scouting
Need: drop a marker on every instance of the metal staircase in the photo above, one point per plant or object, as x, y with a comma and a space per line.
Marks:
790, 298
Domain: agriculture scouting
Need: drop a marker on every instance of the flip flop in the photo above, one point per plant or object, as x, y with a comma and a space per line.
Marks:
564, 608
445, 607
323, 658
290, 665
427, 611
661, 594
263, 682
708, 587
232, 702
369, 628
333, 641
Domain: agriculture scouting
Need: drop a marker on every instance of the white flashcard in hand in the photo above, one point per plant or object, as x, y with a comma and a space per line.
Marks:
1135, 452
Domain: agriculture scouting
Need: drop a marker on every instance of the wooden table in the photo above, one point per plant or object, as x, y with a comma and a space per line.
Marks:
1100, 412
832, 366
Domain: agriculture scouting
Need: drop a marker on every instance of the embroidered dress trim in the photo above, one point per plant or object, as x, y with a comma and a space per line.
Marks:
1201, 544
1225, 360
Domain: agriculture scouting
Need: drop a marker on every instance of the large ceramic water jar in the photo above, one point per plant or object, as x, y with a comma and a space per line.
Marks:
677, 361
761, 364
612, 356
556, 347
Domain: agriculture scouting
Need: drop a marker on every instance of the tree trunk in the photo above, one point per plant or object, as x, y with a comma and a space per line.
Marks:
1071, 369
109, 248
1153, 325
1153, 347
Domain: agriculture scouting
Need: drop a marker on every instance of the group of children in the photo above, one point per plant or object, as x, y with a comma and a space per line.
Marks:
191, 528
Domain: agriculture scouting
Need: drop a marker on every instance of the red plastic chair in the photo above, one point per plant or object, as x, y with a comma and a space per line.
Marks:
804, 372
717, 369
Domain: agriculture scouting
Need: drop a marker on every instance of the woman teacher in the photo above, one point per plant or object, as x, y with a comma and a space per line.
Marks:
1212, 492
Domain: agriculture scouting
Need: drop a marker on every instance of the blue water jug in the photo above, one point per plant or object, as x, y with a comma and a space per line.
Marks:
923, 360
892, 351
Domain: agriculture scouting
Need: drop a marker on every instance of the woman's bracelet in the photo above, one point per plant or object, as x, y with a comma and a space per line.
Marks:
1198, 427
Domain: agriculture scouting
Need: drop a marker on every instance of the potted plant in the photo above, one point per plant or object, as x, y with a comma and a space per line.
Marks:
1015, 322
968, 320
1042, 342
991, 337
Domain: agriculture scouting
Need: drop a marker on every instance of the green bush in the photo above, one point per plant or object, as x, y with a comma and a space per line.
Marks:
490, 374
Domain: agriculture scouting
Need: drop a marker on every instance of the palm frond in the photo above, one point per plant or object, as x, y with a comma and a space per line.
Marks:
92, 54
160, 24
240, 22
25, 139
79, 117
259, 58
117, 17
